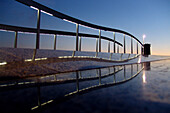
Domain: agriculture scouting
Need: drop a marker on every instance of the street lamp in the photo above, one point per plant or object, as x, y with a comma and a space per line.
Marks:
142, 51
144, 36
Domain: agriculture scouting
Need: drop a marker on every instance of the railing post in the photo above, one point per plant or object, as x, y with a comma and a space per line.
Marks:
55, 41
124, 44
80, 75
55, 78
38, 29
110, 56
114, 46
131, 45
34, 54
96, 47
131, 69
79, 43
77, 36
99, 40
109, 69
39, 96
137, 48
121, 56
77, 81
128, 56
73, 54
124, 72
16, 39
109, 47
142, 50
117, 48
99, 76
114, 76
97, 72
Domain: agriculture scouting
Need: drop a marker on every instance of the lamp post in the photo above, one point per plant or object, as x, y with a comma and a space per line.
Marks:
144, 36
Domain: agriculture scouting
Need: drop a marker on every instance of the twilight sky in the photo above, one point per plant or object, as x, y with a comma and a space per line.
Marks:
138, 17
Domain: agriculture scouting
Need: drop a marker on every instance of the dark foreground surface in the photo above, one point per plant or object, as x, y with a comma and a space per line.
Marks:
148, 92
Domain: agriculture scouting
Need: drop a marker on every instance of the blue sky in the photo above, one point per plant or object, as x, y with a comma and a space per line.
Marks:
138, 17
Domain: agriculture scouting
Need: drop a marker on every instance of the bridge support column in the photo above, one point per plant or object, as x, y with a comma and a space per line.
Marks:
131, 46
38, 29
55, 41
79, 43
99, 40
16, 39
77, 36
114, 46
124, 44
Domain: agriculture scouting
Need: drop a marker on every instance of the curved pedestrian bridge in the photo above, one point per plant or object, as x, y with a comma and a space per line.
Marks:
41, 80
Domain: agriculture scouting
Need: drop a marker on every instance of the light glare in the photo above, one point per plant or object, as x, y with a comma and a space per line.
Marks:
47, 13
34, 7
69, 21
3, 63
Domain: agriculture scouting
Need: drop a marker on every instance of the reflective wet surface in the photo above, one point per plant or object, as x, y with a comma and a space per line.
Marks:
98, 90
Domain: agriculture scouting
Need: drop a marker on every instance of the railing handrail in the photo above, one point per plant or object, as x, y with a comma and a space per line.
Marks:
72, 19
45, 31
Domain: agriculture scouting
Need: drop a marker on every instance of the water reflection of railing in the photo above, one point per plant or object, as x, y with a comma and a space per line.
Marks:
114, 81
107, 84
53, 80
83, 82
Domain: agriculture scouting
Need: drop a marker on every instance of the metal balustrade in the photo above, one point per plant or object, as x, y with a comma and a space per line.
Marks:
43, 9
112, 71
17, 29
